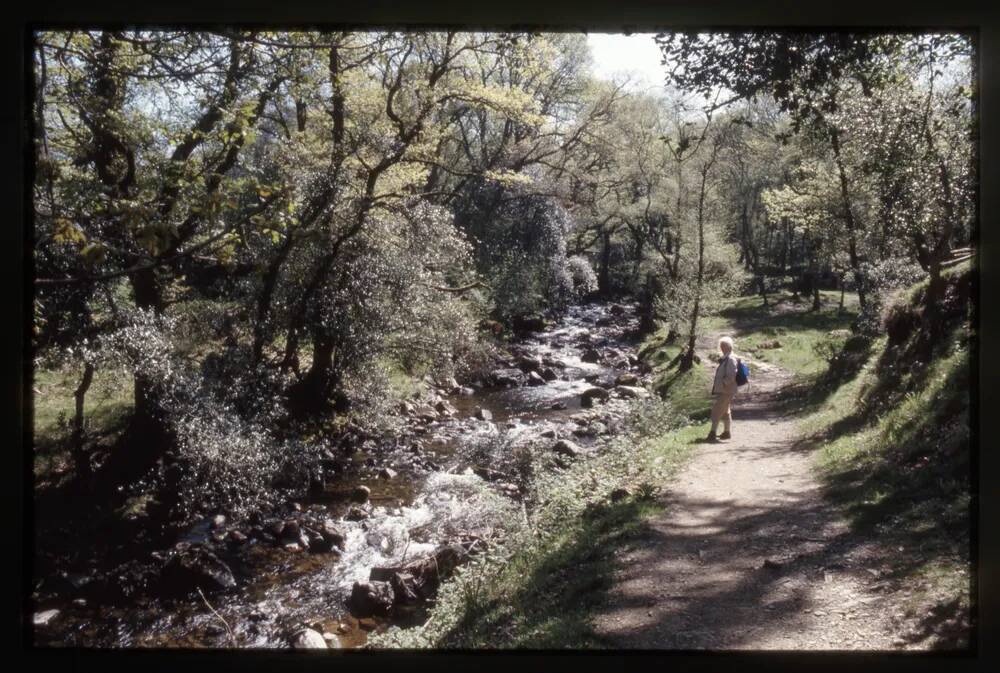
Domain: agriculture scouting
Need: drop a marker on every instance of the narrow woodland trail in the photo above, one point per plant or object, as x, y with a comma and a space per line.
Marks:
748, 554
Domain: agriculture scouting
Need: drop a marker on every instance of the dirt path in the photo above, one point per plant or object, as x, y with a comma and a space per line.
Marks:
748, 554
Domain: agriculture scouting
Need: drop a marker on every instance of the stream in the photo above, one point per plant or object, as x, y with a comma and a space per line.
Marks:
416, 489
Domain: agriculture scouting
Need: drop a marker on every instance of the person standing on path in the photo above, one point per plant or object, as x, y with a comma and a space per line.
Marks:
723, 389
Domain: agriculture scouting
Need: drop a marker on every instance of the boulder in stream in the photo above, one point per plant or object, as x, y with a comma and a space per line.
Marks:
483, 414
192, 568
632, 392
549, 374
590, 394
506, 377
307, 639
591, 355
371, 598
627, 379
361, 494
528, 363
535, 379
419, 580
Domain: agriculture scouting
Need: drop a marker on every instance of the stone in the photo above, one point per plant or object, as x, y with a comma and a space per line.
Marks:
355, 514
591, 355
550, 433
535, 379
387, 473
506, 377
371, 598
419, 579
627, 379
466, 391
632, 392
567, 448
193, 568
44, 618
590, 394
291, 531
617, 309
528, 364
483, 414
236, 537
549, 374
559, 405
361, 494
444, 408
307, 639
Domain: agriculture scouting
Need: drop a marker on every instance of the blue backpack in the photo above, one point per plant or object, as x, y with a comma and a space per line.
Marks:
742, 373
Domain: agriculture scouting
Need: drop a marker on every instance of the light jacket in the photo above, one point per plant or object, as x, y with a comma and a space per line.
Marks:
725, 377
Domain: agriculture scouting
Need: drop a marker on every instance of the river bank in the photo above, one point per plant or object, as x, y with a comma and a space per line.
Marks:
445, 481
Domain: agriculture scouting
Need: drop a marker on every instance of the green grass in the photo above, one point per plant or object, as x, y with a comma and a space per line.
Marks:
755, 328
107, 408
793, 325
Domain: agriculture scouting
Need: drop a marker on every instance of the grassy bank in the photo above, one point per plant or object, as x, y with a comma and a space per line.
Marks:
893, 438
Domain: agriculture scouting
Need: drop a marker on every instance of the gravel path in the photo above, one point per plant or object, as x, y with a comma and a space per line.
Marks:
749, 555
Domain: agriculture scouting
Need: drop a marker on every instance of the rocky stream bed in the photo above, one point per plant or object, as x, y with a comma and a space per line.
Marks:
369, 546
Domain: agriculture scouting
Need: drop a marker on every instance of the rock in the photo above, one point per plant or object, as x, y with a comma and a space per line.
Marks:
465, 391
535, 379
218, 521
548, 434
590, 394
361, 494
552, 362
627, 379
549, 374
483, 414
236, 537
591, 355
387, 473
291, 531
44, 618
771, 565
604, 321
419, 579
567, 448
506, 377
559, 405
356, 513
528, 364
444, 408
372, 598
528, 323
406, 408
307, 639
617, 309
632, 392
192, 568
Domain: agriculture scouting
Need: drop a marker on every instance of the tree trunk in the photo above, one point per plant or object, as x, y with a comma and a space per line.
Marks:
603, 276
850, 221
80, 457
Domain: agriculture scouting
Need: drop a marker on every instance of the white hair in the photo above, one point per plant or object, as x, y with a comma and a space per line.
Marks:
726, 343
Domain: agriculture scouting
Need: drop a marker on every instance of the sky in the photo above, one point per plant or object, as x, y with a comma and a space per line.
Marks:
635, 54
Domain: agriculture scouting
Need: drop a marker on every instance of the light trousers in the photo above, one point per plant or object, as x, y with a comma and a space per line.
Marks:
721, 411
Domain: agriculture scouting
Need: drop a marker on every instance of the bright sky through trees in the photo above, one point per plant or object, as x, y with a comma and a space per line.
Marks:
635, 55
